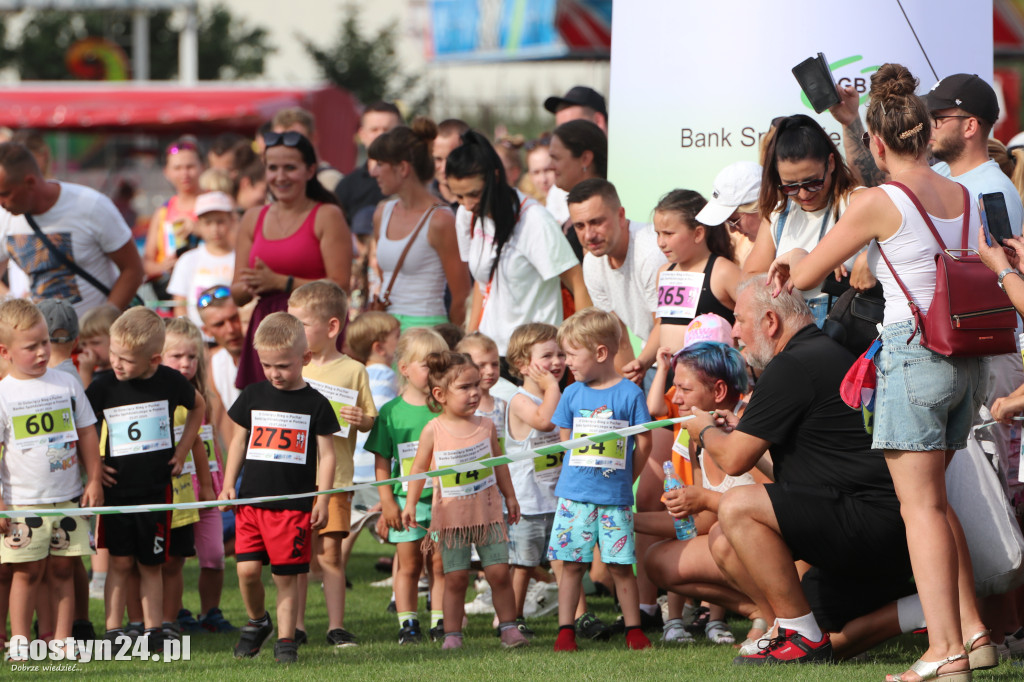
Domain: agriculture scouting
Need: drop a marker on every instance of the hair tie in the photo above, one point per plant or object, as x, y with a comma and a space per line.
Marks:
913, 131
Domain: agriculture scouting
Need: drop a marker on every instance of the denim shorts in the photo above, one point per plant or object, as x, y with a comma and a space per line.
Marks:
528, 539
819, 308
924, 401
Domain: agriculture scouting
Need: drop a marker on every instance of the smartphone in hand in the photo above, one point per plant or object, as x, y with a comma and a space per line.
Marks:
995, 217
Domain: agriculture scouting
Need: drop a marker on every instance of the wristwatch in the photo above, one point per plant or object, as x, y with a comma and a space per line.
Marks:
1002, 275
700, 436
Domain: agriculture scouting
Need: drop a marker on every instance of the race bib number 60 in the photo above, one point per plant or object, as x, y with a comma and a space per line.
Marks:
46, 421
278, 437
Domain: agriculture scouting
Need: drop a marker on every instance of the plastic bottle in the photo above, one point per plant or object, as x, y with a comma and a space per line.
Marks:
685, 527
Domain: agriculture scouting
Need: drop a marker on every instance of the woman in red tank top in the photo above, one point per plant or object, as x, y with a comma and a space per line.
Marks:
299, 238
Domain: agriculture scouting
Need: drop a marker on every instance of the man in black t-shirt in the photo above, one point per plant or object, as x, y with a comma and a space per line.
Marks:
832, 504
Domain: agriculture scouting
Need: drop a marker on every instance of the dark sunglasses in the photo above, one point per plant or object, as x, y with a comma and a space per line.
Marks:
208, 297
289, 138
176, 147
793, 188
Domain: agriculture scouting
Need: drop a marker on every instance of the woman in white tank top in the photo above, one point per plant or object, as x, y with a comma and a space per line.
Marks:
403, 167
925, 402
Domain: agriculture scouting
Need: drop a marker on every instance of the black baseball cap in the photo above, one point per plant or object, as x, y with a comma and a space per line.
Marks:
965, 91
580, 96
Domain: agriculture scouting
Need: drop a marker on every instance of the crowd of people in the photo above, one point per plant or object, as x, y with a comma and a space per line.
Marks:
453, 299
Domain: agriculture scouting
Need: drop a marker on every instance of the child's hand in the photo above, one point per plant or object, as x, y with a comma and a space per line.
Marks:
227, 494
318, 519
1005, 409
391, 516
87, 360
409, 518
544, 378
352, 414
109, 476
634, 371
206, 493
92, 496
178, 463
512, 505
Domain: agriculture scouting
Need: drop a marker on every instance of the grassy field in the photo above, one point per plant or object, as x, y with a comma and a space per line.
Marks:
380, 658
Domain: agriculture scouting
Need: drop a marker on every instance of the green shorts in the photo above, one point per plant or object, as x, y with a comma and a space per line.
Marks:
412, 321
458, 558
423, 508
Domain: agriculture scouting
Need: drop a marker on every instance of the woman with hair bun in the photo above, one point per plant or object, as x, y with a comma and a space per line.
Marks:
925, 402
404, 167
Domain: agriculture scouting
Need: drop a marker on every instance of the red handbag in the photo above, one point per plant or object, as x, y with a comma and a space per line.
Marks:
969, 315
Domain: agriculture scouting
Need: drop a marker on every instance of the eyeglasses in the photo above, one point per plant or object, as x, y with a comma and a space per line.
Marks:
212, 295
732, 223
542, 141
936, 118
289, 138
793, 188
176, 147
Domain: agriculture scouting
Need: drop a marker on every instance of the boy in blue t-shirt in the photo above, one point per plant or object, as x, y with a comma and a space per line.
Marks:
595, 489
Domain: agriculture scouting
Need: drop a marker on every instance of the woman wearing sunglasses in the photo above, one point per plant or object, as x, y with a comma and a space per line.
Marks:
413, 287
299, 238
925, 402
805, 189
172, 227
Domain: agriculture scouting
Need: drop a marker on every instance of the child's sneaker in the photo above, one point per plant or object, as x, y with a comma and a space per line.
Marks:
214, 621
410, 633
528, 632
566, 640
285, 651
300, 637
82, 630
790, 647
253, 637
482, 604
636, 639
437, 632
170, 630
512, 638
134, 630
452, 640
341, 638
187, 622
718, 632
590, 626
675, 632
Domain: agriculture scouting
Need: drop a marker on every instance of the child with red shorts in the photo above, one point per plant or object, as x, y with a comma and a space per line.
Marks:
279, 418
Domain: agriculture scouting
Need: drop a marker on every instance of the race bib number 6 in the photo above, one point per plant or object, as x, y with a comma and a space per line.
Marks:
278, 437
144, 427
45, 421
610, 454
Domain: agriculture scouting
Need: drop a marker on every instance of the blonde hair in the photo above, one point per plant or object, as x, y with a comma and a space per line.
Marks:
524, 338
184, 328
216, 180
280, 331
590, 328
97, 321
323, 298
416, 344
443, 367
369, 328
478, 341
17, 314
139, 329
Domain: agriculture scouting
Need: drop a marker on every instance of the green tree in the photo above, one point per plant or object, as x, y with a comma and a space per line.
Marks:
228, 47
367, 66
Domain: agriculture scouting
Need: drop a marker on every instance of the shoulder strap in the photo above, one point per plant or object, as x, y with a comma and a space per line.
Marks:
67, 262
386, 296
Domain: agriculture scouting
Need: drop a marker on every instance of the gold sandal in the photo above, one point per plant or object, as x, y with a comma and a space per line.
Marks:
985, 656
929, 670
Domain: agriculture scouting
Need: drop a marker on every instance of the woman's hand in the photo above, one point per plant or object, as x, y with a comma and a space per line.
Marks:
260, 279
779, 271
685, 501
862, 279
997, 258
1006, 408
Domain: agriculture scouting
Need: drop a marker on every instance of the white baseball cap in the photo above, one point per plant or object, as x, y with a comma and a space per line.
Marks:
208, 202
737, 184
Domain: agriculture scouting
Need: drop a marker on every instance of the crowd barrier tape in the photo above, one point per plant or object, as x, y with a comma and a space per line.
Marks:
552, 449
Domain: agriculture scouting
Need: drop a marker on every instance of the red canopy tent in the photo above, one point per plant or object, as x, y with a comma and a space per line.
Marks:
169, 109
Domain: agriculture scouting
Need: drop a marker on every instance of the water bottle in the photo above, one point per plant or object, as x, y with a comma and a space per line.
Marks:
685, 527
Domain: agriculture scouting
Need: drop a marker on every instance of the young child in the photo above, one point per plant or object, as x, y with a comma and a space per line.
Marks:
62, 323
94, 343
138, 403
210, 263
393, 441
595, 488
535, 356
467, 507
322, 307
200, 479
46, 426
279, 417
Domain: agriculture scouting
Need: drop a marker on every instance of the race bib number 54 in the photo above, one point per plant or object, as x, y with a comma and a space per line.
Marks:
278, 437
610, 454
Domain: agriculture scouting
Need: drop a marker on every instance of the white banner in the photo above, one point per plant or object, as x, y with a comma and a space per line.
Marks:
694, 85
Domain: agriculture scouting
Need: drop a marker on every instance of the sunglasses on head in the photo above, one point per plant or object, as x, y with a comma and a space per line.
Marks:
176, 147
208, 297
793, 188
289, 138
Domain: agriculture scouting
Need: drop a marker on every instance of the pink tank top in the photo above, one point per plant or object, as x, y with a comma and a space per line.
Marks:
293, 255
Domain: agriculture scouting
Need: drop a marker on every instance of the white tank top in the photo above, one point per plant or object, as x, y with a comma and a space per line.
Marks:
224, 372
419, 287
727, 482
536, 495
911, 250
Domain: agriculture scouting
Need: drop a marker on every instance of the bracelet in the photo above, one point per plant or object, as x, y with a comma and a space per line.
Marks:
700, 437
289, 284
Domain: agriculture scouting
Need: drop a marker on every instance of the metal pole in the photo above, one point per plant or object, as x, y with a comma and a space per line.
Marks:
188, 48
140, 45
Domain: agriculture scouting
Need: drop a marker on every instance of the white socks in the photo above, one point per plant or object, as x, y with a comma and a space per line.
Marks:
804, 625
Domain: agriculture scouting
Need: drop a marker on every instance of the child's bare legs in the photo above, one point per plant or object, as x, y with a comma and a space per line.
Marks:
211, 585
250, 584
435, 573
581, 603
119, 571
333, 571
44, 614
173, 587
570, 589
60, 583
407, 578
455, 585
504, 598
81, 582
6, 575
134, 600
520, 584
626, 589
302, 593
25, 580
287, 602
151, 589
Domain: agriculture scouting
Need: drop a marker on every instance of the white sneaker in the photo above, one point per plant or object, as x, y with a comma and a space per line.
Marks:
541, 599
96, 589
673, 631
386, 582
482, 604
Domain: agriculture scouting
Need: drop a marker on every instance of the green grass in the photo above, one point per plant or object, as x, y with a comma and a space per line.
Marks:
380, 658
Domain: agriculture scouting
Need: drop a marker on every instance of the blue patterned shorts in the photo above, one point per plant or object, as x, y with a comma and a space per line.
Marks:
580, 525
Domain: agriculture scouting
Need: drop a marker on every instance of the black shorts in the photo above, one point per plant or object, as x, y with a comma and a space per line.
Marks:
144, 535
183, 541
857, 546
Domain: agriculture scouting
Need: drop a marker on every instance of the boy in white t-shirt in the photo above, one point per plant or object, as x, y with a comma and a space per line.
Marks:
212, 262
46, 426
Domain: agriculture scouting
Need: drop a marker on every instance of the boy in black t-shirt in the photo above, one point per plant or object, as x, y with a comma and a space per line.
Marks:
280, 417
137, 404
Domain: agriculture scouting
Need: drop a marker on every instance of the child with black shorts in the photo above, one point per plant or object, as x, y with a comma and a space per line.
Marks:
138, 403
279, 417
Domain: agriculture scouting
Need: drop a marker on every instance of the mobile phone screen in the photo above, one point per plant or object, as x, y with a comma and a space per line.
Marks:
995, 217
816, 81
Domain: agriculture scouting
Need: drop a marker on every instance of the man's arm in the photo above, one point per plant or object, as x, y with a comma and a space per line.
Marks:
128, 282
858, 158
734, 452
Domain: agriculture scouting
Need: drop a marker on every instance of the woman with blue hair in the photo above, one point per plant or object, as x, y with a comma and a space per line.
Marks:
709, 376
